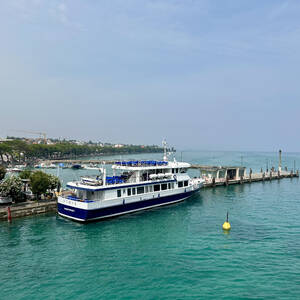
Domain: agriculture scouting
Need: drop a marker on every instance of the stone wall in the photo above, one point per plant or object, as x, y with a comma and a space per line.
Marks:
28, 209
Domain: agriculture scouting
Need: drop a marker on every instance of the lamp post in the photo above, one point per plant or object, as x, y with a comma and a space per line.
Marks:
279, 166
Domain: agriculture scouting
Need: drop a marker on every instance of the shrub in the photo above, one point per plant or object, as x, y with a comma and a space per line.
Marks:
2, 172
11, 187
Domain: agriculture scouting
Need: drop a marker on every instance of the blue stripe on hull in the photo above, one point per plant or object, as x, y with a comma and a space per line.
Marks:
89, 215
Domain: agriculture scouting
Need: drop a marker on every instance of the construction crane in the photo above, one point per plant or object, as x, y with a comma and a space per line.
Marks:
41, 134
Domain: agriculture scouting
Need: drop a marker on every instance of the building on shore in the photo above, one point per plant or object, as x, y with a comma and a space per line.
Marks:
222, 172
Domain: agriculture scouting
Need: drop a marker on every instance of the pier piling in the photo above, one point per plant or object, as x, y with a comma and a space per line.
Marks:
8, 214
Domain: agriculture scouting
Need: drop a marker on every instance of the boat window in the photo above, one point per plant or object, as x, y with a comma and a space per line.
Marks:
133, 191
119, 193
140, 190
128, 192
177, 170
169, 185
186, 183
150, 188
124, 191
183, 170
156, 187
180, 184
146, 189
172, 185
164, 186
173, 171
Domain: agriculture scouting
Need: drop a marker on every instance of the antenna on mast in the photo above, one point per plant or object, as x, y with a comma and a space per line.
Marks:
164, 143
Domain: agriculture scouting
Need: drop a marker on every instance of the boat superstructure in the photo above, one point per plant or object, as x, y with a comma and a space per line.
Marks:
133, 186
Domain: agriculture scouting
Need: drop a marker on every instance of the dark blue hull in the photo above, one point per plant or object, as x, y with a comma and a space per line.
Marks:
83, 215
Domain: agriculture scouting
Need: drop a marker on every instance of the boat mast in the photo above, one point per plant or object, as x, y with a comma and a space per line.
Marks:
164, 143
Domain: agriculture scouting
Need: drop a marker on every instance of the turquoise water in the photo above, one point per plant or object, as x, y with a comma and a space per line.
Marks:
175, 252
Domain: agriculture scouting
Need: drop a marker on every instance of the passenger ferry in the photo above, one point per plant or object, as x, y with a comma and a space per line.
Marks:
140, 185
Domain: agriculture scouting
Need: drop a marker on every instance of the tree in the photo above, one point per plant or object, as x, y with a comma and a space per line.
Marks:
11, 187
5, 149
39, 183
54, 182
25, 174
2, 172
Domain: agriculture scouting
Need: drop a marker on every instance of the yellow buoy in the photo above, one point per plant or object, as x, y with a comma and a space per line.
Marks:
226, 225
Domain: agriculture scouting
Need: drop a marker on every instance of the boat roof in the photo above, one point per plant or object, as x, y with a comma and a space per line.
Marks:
86, 187
148, 165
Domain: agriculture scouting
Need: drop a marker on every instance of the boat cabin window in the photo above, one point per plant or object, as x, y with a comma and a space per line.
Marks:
183, 170
164, 186
133, 191
140, 190
88, 195
186, 183
177, 170
169, 185
119, 193
172, 185
150, 188
173, 171
80, 194
146, 189
180, 184
128, 192
156, 187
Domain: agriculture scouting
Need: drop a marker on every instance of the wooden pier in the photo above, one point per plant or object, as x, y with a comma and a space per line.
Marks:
239, 176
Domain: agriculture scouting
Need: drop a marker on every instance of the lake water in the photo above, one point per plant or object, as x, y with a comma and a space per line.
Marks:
175, 252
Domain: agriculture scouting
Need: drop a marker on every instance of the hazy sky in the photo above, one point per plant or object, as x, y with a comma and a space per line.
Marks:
205, 74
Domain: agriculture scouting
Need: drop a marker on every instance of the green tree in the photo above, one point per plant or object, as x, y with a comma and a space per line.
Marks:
5, 149
25, 174
39, 183
2, 172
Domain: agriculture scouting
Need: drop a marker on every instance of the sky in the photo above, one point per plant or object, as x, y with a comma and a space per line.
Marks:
204, 74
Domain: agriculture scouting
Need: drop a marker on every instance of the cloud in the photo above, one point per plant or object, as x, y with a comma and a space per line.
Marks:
61, 11
42, 11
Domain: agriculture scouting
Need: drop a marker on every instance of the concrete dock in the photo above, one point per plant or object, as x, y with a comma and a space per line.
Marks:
28, 208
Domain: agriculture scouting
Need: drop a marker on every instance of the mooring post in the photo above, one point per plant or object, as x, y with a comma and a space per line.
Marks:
279, 167
8, 214
226, 181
